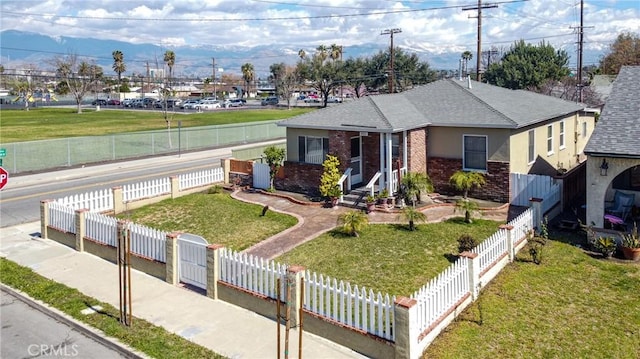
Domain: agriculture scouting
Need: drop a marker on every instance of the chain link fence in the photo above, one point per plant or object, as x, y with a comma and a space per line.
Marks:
66, 152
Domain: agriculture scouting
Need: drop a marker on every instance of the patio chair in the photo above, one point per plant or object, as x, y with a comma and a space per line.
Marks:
622, 204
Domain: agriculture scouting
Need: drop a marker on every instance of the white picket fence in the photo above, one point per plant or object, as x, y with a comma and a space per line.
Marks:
252, 273
96, 201
201, 178
491, 249
146, 189
441, 293
352, 306
148, 242
62, 217
102, 229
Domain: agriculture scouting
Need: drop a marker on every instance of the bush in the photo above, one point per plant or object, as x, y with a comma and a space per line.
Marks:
466, 243
215, 189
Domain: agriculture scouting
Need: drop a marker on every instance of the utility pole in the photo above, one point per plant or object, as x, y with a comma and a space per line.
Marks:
580, 50
213, 75
479, 49
391, 71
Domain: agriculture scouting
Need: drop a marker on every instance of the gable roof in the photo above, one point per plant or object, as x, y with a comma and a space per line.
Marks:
448, 102
617, 133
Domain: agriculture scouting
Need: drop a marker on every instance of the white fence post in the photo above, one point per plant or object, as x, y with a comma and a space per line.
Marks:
80, 228
536, 206
474, 273
175, 186
213, 269
118, 202
511, 250
295, 274
406, 330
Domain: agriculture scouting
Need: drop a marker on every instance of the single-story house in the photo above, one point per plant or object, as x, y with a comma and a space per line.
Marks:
437, 129
613, 152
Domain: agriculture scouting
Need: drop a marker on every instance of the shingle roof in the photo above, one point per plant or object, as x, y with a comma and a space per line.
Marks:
618, 130
446, 102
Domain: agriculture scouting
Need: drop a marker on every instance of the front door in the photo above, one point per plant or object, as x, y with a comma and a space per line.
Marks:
356, 160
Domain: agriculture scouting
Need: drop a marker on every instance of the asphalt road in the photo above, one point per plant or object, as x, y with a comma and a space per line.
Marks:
20, 198
30, 333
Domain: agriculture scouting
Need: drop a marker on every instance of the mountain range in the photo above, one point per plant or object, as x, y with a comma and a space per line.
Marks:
20, 49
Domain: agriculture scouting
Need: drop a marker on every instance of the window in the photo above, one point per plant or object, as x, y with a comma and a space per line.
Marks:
474, 153
532, 147
550, 139
561, 135
312, 149
584, 129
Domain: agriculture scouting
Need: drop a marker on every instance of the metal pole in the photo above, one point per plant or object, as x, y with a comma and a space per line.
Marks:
179, 137
287, 320
129, 289
300, 312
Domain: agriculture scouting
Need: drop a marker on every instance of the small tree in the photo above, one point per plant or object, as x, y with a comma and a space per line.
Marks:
468, 207
275, 156
413, 184
353, 222
330, 177
464, 181
412, 215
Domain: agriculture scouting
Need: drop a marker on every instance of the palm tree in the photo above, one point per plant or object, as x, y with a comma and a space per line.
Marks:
118, 66
465, 181
353, 222
412, 215
302, 54
170, 60
335, 52
469, 207
321, 52
248, 75
413, 184
466, 56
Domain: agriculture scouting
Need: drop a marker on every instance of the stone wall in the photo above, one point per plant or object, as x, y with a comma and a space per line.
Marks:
417, 150
300, 177
497, 179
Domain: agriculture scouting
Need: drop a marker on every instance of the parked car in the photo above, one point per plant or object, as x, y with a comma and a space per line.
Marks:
189, 104
312, 98
113, 102
127, 102
271, 100
237, 102
99, 102
333, 99
146, 102
208, 105
171, 103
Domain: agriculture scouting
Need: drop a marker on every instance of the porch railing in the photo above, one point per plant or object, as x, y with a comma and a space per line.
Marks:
372, 183
345, 177
395, 183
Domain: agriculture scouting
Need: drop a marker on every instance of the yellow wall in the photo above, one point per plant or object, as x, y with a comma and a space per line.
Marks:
292, 140
446, 142
565, 157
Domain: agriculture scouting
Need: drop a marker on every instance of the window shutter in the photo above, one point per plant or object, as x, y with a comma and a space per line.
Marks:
302, 148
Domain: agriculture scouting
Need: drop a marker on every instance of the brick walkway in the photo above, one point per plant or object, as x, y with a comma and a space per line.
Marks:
314, 219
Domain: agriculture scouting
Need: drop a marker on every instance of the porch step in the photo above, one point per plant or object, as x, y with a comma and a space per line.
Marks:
355, 199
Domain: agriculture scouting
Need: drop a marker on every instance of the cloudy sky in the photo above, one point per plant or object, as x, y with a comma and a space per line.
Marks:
427, 26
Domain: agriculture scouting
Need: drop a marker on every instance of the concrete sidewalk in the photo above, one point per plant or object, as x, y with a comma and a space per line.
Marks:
224, 328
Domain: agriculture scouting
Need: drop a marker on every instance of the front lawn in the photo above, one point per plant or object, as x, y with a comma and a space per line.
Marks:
217, 217
388, 257
572, 305
48, 123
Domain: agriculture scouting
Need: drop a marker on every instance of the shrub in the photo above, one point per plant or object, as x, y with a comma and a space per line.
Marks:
215, 189
466, 243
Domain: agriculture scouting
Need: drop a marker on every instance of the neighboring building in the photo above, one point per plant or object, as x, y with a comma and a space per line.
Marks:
613, 151
439, 128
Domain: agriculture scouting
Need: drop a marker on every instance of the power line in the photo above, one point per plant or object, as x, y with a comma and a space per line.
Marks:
479, 49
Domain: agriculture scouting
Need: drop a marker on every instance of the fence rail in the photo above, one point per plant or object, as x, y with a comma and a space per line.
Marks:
62, 217
102, 229
200, 178
491, 249
354, 307
146, 189
252, 273
96, 201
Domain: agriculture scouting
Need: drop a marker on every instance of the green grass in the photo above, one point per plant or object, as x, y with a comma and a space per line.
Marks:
388, 258
572, 305
218, 218
48, 123
150, 339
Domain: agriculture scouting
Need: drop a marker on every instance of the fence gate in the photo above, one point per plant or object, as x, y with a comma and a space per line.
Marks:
261, 177
192, 259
